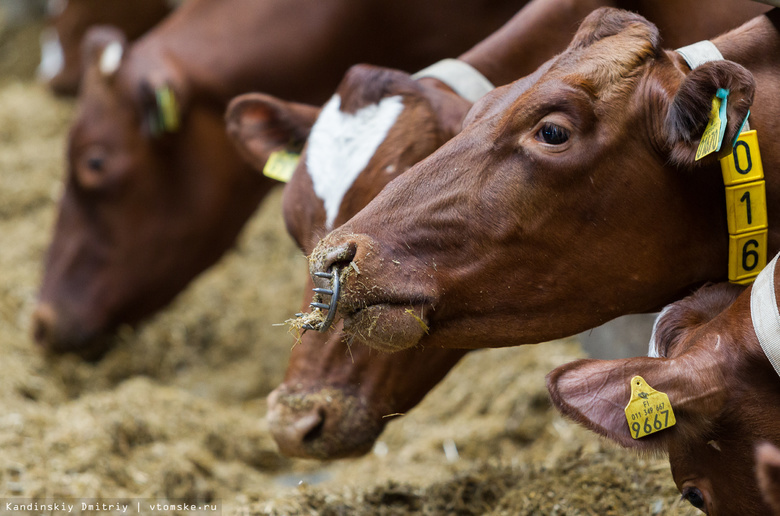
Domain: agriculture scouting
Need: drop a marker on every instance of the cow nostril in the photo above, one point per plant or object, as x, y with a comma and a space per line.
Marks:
339, 256
315, 432
44, 320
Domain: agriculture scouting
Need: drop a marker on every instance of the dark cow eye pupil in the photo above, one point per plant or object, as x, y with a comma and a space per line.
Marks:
695, 498
95, 164
553, 134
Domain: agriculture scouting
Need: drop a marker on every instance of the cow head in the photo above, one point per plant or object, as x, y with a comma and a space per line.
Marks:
154, 194
336, 399
69, 21
568, 199
721, 386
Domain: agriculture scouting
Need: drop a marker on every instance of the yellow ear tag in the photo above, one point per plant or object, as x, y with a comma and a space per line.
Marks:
712, 138
648, 411
168, 110
281, 165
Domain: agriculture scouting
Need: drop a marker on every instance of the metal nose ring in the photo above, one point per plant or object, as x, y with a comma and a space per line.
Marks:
334, 291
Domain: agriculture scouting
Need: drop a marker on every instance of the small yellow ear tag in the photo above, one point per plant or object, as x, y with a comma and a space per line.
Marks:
712, 138
648, 411
168, 110
281, 165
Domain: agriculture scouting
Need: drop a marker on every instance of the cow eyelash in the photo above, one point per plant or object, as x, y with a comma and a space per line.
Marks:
552, 134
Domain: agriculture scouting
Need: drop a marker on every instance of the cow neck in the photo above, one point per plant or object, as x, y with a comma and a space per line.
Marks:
461, 77
764, 314
745, 187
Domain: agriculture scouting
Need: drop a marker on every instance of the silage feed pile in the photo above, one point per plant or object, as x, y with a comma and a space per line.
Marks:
177, 410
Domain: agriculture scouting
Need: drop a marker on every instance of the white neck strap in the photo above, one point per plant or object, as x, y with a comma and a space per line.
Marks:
463, 78
700, 53
764, 313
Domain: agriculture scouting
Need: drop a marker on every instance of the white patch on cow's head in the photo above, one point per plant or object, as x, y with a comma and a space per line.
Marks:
653, 347
52, 57
341, 145
111, 58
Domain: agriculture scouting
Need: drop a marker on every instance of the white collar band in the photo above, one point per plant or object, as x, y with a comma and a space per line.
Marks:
764, 313
700, 53
463, 78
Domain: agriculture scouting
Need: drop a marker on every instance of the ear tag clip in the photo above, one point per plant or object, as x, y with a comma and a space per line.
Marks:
281, 165
168, 111
712, 139
648, 411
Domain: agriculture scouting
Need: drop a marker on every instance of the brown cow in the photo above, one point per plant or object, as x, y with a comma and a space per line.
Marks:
721, 385
569, 198
155, 193
68, 22
333, 398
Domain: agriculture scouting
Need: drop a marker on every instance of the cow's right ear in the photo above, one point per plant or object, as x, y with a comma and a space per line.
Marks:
260, 124
103, 48
594, 393
689, 111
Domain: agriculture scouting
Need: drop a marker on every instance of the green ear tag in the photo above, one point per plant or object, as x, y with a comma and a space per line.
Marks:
712, 138
648, 411
168, 110
281, 165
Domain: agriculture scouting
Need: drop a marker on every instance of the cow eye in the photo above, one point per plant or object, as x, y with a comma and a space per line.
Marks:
92, 168
553, 134
95, 164
694, 497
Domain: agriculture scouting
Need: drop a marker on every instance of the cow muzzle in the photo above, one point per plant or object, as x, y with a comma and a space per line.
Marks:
321, 424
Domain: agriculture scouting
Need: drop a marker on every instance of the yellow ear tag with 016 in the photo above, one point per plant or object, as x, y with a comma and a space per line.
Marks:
648, 411
281, 165
712, 138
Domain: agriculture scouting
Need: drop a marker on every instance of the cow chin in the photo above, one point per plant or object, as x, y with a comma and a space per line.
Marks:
323, 424
386, 327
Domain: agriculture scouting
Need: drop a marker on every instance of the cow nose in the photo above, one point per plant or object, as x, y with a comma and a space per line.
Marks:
298, 433
44, 322
325, 257
323, 424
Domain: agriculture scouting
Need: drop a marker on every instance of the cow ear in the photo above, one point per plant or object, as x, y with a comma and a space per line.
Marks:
261, 124
594, 393
768, 473
103, 49
690, 109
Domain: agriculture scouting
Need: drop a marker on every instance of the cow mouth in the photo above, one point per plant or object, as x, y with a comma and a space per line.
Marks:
387, 326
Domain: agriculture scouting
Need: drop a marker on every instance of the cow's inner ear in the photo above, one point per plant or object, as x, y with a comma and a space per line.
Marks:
689, 112
103, 49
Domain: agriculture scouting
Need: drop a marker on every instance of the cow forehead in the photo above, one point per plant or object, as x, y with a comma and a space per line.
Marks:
341, 145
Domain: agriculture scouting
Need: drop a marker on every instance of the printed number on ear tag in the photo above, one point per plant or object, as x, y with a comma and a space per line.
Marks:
648, 411
281, 165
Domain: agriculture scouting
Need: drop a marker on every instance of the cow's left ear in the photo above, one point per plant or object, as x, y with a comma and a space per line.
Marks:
690, 109
260, 124
594, 393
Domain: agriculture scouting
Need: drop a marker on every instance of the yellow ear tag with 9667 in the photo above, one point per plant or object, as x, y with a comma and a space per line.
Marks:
648, 411
281, 165
712, 138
